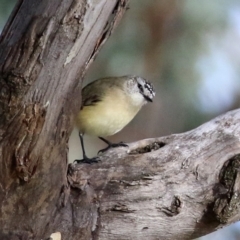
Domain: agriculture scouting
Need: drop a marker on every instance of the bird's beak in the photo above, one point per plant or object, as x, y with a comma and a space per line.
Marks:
148, 98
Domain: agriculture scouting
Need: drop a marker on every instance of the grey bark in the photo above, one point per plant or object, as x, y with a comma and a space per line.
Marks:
181, 186
45, 49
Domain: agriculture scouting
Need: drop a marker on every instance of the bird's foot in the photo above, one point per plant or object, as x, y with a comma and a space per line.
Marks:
87, 160
113, 145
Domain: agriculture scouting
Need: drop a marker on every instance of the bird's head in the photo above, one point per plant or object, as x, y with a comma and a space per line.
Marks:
140, 89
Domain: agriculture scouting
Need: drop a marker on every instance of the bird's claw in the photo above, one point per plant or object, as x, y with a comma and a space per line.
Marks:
87, 160
113, 145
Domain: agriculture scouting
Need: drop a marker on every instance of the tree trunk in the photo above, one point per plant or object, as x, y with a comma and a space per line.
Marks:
45, 50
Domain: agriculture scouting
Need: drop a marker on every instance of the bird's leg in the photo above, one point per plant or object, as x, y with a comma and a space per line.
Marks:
85, 158
111, 145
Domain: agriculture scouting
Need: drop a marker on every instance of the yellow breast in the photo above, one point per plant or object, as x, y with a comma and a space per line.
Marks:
108, 116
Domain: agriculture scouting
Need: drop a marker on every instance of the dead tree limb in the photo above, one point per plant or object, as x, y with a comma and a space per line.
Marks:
180, 186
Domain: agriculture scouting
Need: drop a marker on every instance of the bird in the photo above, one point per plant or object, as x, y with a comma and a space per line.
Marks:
108, 105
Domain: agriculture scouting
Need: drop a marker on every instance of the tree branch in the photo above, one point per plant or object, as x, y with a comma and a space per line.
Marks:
180, 186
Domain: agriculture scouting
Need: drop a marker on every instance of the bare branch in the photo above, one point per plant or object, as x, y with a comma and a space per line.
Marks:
188, 180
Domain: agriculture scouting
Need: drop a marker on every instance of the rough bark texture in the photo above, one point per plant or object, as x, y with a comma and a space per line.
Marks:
45, 49
176, 187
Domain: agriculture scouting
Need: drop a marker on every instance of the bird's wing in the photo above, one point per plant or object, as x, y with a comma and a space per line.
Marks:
91, 100
91, 94
95, 91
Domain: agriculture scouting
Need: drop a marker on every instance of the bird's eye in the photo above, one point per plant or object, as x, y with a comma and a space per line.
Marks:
140, 87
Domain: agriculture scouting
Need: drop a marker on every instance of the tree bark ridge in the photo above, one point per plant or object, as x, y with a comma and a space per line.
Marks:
45, 50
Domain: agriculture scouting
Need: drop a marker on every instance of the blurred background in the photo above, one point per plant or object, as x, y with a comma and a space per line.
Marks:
189, 50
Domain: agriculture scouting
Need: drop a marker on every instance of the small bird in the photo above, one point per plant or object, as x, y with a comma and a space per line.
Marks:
108, 105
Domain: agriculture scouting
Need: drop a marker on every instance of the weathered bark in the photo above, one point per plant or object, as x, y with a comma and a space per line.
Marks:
180, 186
45, 49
